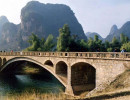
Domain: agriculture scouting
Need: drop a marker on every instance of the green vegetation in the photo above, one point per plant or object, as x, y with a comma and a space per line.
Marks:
37, 44
29, 69
126, 46
71, 43
64, 39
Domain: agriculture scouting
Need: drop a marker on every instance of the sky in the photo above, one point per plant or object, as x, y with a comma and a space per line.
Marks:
94, 15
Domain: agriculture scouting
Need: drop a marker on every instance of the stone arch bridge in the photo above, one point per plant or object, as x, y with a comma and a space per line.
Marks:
77, 71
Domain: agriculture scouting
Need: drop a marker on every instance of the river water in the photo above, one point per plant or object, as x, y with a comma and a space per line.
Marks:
40, 83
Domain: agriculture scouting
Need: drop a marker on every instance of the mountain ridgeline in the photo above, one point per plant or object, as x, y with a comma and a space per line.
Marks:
115, 32
92, 34
40, 19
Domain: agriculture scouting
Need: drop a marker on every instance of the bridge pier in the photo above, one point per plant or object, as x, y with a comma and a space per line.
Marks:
69, 89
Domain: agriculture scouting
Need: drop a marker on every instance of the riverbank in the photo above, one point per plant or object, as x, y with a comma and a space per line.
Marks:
35, 96
122, 95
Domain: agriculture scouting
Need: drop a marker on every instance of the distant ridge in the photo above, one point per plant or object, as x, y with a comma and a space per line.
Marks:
92, 34
115, 32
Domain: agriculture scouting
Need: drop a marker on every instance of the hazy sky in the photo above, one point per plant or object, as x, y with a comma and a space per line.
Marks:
94, 15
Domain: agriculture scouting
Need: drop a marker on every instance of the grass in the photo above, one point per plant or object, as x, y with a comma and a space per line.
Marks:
35, 96
28, 69
62, 96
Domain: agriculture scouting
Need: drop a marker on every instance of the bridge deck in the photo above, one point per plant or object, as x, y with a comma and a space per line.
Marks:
99, 55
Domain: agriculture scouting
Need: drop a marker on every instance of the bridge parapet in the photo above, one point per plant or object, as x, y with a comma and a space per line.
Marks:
103, 55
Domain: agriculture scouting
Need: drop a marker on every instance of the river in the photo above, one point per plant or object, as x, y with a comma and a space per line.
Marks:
39, 83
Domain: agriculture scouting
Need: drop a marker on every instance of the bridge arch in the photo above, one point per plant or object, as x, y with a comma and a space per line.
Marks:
49, 62
61, 68
83, 61
83, 77
33, 61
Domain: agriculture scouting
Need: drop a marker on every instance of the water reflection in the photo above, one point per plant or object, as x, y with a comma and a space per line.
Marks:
40, 83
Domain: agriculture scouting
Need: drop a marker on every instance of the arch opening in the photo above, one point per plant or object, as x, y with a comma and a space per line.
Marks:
83, 77
41, 75
49, 63
13, 61
61, 69
4, 61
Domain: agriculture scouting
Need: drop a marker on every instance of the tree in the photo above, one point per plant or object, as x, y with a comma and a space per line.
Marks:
126, 46
115, 43
64, 39
34, 42
42, 41
83, 45
37, 44
109, 49
123, 38
106, 45
96, 38
90, 44
33, 38
49, 43
97, 43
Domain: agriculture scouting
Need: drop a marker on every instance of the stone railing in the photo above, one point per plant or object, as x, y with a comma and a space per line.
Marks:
105, 55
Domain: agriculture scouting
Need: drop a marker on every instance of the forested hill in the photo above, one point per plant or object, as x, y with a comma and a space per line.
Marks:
42, 20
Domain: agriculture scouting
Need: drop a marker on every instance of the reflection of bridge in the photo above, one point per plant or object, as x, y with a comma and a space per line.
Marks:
78, 72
